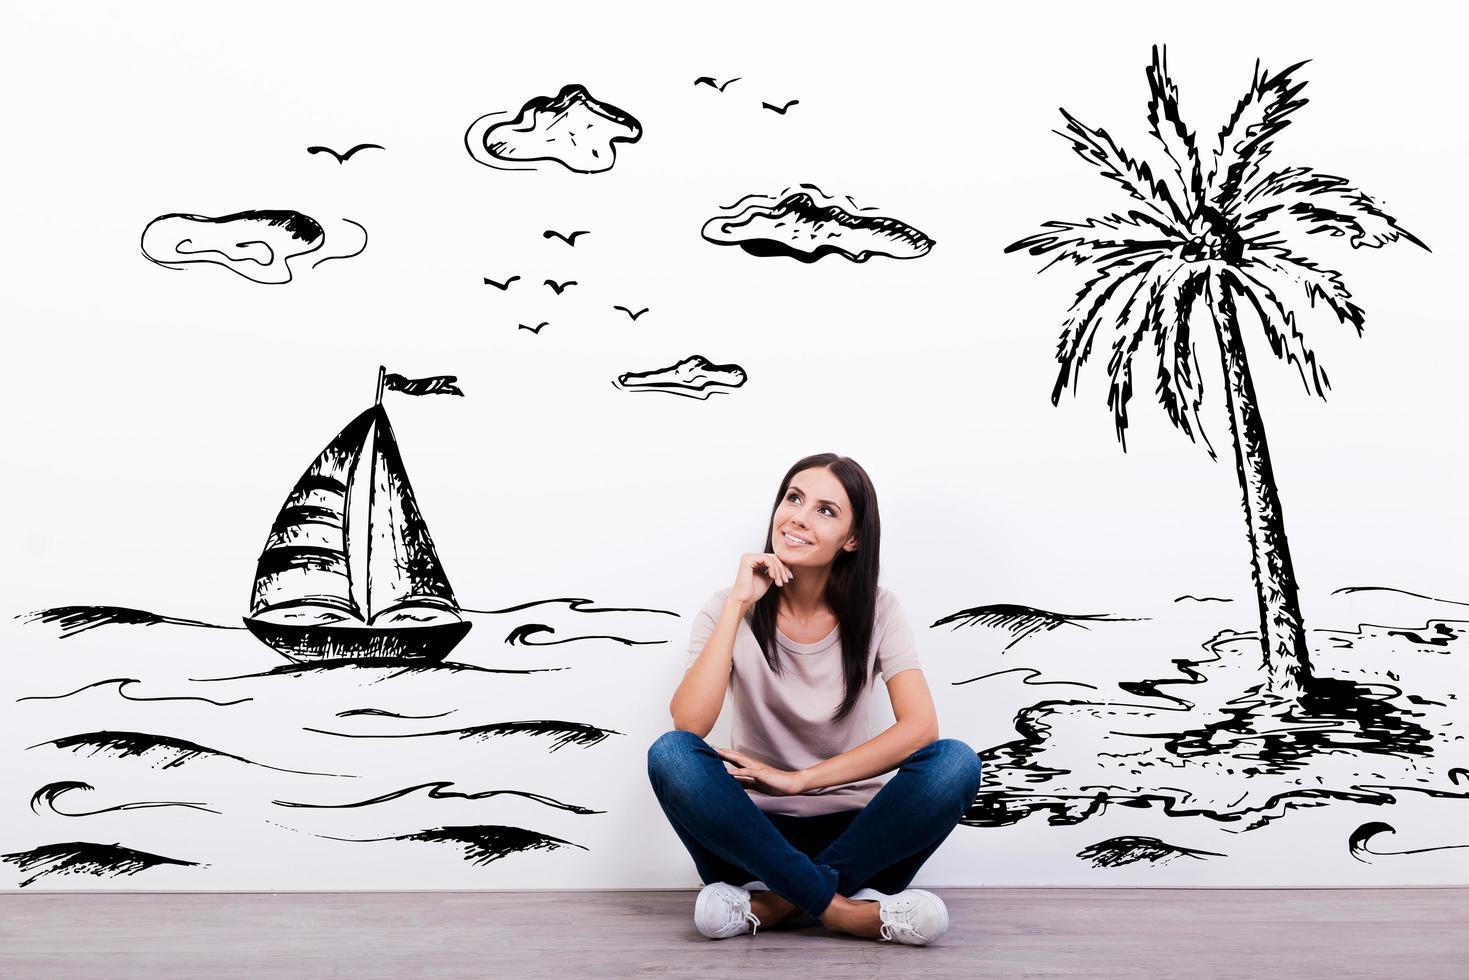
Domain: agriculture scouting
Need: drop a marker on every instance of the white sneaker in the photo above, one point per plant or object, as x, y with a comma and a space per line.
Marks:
723, 910
912, 916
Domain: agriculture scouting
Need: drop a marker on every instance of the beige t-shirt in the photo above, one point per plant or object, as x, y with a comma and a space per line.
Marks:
785, 721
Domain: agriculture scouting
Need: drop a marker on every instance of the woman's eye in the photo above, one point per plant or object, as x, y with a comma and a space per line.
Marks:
829, 511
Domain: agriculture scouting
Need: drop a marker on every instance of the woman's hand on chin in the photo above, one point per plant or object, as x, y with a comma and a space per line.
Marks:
754, 774
757, 572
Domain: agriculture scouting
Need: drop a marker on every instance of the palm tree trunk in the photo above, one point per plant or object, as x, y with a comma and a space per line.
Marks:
1282, 635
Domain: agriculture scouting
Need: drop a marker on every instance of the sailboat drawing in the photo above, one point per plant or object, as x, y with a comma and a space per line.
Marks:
349, 571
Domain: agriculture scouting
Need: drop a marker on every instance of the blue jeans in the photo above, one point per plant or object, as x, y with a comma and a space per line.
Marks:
808, 860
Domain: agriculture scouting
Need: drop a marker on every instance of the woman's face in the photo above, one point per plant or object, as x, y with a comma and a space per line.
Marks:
814, 510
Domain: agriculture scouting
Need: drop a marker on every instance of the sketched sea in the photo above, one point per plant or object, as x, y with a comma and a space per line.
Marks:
1161, 722
155, 749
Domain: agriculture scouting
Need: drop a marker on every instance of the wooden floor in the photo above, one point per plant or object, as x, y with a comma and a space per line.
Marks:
1417, 933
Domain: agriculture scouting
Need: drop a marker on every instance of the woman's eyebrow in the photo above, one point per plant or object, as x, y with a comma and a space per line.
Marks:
803, 493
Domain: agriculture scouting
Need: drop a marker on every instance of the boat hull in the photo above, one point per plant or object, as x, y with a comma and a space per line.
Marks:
315, 643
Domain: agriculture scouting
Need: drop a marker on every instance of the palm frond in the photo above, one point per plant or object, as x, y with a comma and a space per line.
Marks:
1279, 323
1319, 284
1096, 147
1083, 242
1324, 204
1167, 126
1081, 325
1246, 140
1129, 338
1180, 384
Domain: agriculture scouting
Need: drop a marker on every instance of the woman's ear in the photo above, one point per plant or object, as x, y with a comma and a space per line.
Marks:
851, 545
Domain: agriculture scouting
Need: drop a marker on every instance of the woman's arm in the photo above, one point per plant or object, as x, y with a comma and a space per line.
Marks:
916, 726
700, 696
696, 703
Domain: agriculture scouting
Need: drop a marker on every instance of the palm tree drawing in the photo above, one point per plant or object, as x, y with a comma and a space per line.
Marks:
1218, 237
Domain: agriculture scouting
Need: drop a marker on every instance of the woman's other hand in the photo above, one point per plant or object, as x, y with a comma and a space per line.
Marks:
754, 774
756, 574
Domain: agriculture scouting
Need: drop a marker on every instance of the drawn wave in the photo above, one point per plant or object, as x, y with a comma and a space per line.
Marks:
575, 605
88, 858
1202, 598
439, 791
564, 732
48, 794
1359, 844
481, 843
1114, 852
521, 635
1023, 622
397, 666
122, 745
123, 682
1439, 633
1030, 678
79, 619
384, 713
1349, 590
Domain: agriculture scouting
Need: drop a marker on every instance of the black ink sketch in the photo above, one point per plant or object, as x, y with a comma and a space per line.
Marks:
47, 795
721, 86
354, 501
482, 844
1201, 598
563, 733
1233, 230
693, 377
87, 858
571, 130
378, 669
1359, 844
122, 683
631, 315
568, 239
560, 287
535, 329
79, 619
780, 110
1117, 851
1194, 747
522, 634
1349, 590
384, 713
806, 225
575, 605
258, 245
168, 752
440, 791
1030, 675
1024, 621
502, 286
344, 157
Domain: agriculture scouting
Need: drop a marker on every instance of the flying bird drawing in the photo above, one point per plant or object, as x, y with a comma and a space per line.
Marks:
630, 313
344, 157
781, 109
706, 80
537, 328
502, 286
568, 239
560, 287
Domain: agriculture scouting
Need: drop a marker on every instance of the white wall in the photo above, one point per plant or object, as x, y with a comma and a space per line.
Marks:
157, 417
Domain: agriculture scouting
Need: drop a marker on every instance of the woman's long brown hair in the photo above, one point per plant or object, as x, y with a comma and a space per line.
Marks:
851, 591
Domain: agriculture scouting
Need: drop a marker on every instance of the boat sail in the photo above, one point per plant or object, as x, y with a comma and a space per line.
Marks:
349, 570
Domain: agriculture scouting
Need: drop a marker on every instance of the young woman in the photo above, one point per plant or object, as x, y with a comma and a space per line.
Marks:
802, 818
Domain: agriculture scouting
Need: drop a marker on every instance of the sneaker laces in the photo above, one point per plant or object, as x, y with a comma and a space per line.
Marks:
735, 905
892, 927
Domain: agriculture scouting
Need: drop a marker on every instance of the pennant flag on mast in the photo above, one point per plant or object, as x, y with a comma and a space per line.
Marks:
442, 384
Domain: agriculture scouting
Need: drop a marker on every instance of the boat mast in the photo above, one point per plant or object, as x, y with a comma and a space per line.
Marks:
382, 373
